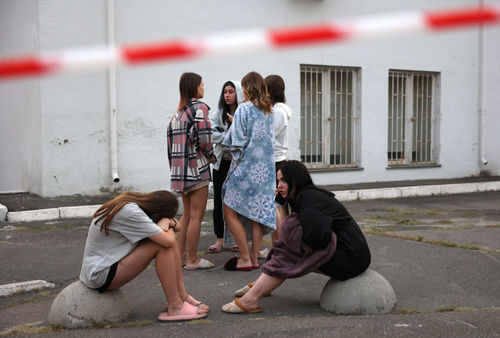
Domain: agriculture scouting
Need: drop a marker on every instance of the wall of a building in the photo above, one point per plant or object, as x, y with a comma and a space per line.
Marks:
20, 120
492, 101
75, 107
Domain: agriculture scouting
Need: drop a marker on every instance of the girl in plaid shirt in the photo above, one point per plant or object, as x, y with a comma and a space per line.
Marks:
190, 154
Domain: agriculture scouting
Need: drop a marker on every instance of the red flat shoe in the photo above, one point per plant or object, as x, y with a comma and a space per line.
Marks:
231, 265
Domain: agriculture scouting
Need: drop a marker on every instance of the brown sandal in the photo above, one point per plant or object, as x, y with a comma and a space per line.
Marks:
236, 307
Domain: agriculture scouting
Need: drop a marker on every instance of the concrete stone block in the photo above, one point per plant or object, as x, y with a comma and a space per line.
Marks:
488, 186
425, 190
13, 288
369, 194
367, 294
458, 188
77, 306
33, 215
84, 211
3, 212
210, 204
346, 195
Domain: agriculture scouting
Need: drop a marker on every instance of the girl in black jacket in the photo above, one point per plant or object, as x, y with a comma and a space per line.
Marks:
322, 219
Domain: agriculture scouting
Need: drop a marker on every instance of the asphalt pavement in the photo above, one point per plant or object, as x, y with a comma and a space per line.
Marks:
441, 254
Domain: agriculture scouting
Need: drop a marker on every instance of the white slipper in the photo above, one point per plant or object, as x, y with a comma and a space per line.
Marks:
202, 264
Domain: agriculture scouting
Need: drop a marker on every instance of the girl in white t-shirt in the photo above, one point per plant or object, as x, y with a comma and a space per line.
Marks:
125, 235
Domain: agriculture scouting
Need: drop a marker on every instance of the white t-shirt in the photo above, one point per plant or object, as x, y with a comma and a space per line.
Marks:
128, 226
282, 114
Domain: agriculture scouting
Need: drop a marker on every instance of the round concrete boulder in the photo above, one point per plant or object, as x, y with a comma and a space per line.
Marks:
367, 294
77, 306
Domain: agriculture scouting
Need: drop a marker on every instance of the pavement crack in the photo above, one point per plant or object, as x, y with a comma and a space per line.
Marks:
466, 323
490, 256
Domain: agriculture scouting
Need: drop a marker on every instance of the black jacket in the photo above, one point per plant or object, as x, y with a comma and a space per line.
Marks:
320, 213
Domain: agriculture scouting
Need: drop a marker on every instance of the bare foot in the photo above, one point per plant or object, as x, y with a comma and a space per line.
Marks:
191, 300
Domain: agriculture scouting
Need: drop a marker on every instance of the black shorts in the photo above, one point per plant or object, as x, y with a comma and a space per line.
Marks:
109, 279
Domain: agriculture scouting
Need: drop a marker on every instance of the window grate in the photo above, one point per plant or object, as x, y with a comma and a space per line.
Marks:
411, 111
329, 116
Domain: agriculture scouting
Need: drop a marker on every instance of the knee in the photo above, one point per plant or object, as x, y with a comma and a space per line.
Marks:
229, 213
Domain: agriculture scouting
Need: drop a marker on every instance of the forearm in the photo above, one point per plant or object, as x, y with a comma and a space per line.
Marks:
165, 239
167, 224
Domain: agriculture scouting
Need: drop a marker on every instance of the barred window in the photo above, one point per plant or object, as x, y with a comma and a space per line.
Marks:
412, 118
329, 116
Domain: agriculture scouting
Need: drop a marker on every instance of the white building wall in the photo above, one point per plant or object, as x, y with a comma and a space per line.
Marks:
492, 101
20, 130
74, 107
75, 124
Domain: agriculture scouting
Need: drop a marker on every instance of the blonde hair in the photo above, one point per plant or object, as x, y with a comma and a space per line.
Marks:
254, 90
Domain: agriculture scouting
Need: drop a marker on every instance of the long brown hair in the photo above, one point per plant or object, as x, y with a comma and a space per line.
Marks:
276, 88
188, 88
156, 204
254, 89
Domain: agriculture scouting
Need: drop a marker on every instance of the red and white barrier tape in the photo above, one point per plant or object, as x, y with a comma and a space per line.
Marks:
364, 27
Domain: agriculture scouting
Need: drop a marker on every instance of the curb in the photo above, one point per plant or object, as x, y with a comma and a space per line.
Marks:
87, 211
13, 288
52, 213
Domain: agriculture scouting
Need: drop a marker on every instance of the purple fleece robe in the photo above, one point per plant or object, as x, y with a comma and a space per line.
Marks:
290, 257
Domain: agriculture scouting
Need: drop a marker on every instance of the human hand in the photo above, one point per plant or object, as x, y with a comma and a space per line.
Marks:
175, 224
164, 224
230, 117
169, 223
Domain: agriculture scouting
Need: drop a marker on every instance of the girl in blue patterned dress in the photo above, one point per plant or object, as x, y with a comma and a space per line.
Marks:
249, 188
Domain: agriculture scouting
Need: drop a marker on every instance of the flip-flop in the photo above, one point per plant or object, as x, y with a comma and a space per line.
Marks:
241, 292
236, 307
194, 302
202, 264
215, 248
197, 303
187, 312
231, 265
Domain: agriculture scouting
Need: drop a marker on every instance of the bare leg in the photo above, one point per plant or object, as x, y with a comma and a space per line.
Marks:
239, 235
262, 286
257, 234
198, 203
180, 281
166, 269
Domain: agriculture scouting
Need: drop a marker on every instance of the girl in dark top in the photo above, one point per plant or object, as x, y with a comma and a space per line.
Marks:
318, 236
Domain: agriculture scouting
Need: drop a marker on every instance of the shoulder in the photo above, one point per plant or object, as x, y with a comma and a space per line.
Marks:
310, 193
197, 104
278, 112
243, 108
130, 209
245, 105
278, 108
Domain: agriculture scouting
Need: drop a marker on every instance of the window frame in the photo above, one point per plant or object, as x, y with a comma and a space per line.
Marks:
411, 153
327, 119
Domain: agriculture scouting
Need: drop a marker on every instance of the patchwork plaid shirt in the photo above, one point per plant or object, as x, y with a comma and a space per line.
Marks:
189, 136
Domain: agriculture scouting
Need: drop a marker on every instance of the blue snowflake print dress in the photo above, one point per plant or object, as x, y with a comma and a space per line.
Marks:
251, 180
